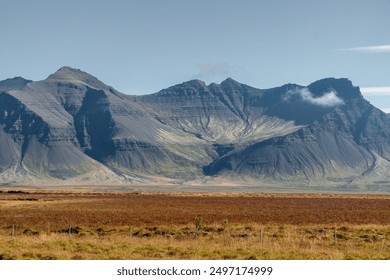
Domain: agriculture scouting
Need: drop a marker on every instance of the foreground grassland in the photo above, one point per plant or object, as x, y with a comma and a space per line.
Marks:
193, 226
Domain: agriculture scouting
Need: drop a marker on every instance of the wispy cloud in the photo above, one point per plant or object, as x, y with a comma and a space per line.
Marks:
328, 99
371, 49
211, 70
375, 91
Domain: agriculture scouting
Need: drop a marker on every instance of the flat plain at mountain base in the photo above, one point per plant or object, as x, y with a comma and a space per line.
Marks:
193, 226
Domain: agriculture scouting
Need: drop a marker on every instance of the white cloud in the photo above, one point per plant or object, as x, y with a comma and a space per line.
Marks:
371, 49
328, 99
375, 91
210, 70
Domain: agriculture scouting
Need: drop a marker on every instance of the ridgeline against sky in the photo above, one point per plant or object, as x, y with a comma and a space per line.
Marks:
75, 129
140, 47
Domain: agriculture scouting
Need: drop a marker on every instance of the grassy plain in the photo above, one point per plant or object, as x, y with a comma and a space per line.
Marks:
163, 226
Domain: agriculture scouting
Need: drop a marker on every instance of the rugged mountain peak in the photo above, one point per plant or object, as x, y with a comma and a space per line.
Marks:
198, 84
13, 83
66, 73
69, 74
187, 88
194, 83
342, 87
229, 82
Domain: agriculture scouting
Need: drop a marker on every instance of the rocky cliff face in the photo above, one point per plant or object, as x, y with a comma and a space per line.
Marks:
341, 136
72, 126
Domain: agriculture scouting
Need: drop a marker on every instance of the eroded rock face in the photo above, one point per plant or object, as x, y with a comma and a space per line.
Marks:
342, 140
72, 125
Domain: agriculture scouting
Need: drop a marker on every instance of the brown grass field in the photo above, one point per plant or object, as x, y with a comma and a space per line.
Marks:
110, 225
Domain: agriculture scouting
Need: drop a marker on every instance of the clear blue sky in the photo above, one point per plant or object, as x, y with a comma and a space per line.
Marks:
143, 46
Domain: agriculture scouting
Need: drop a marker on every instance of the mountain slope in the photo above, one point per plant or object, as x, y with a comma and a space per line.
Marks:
71, 127
341, 143
221, 114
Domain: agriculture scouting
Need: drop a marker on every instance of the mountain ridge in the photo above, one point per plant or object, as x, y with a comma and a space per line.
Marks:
73, 128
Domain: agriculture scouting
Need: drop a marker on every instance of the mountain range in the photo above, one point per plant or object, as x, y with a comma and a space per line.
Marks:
72, 128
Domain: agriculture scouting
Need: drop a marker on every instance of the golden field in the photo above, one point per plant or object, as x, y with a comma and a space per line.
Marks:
163, 226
